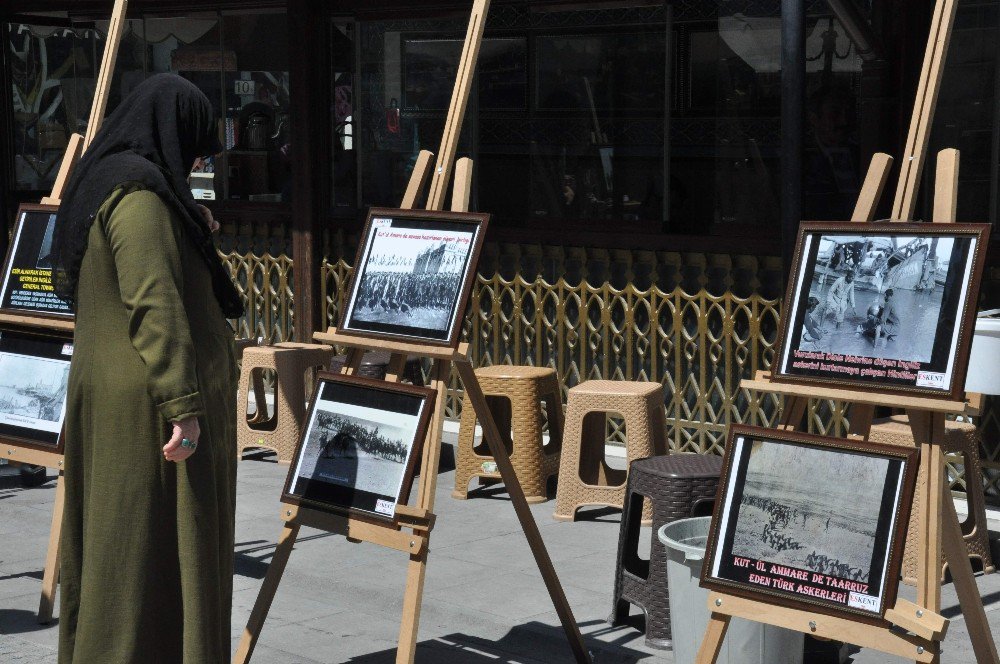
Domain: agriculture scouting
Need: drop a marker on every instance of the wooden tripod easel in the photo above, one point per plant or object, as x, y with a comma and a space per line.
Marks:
937, 521
13, 452
414, 523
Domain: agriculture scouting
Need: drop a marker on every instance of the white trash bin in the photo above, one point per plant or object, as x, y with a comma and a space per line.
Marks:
746, 642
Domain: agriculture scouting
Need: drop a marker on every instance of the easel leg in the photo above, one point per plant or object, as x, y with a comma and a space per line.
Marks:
711, 644
492, 437
930, 485
965, 585
415, 574
50, 579
263, 604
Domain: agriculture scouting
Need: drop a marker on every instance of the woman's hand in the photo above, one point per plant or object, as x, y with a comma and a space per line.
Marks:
213, 225
186, 428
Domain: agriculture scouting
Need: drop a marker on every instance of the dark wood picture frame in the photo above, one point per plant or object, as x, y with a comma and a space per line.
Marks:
23, 211
895, 507
962, 280
24, 440
448, 338
428, 397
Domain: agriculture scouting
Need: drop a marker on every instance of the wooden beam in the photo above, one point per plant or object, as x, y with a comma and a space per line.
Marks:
912, 160
946, 187
871, 190
855, 396
459, 102
418, 178
116, 26
921, 621
310, 134
818, 624
334, 338
74, 148
491, 434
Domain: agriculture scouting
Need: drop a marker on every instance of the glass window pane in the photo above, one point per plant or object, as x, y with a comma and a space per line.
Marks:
51, 71
257, 107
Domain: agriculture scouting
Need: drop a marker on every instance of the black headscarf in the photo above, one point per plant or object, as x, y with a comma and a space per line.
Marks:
152, 139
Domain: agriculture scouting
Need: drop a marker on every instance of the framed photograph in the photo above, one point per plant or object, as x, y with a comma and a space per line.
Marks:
811, 522
882, 306
34, 377
360, 445
27, 272
413, 275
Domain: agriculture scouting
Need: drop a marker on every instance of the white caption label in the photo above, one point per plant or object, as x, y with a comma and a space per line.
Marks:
384, 506
378, 222
863, 602
67, 349
930, 379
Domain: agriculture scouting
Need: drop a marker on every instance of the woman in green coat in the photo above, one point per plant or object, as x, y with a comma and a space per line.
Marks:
147, 553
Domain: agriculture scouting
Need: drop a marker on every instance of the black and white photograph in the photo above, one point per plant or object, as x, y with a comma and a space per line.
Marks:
359, 446
413, 276
34, 376
815, 519
27, 276
886, 306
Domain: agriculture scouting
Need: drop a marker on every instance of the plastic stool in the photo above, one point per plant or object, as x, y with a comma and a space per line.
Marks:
514, 395
584, 476
960, 438
679, 486
280, 432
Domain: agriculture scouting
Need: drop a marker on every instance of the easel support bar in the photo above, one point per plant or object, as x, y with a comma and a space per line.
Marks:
334, 338
356, 529
828, 627
921, 621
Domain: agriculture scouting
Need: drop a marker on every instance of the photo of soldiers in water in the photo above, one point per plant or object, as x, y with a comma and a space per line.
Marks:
876, 296
412, 278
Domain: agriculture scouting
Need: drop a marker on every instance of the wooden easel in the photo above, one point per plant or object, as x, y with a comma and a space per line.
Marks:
74, 150
937, 522
414, 523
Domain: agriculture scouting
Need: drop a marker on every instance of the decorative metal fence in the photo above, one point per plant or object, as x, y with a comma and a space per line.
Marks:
700, 345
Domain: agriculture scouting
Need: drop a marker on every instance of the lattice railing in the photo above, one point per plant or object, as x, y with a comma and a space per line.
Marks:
698, 345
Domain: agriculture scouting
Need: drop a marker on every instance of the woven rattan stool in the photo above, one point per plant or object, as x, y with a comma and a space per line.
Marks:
584, 476
289, 361
677, 485
960, 438
514, 395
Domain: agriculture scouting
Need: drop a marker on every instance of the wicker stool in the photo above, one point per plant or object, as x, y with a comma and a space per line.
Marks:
960, 438
514, 395
289, 361
677, 485
584, 476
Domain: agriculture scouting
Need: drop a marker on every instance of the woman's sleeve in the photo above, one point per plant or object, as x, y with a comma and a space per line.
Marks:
145, 243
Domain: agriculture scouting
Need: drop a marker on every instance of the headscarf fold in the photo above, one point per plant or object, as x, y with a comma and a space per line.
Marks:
152, 139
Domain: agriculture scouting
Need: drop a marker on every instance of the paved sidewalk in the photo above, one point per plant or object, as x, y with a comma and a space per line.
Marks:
484, 602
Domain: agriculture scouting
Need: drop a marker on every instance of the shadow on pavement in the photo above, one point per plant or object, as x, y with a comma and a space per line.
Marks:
18, 621
531, 643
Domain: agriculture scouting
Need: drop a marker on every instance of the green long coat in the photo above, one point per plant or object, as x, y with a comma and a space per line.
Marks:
147, 557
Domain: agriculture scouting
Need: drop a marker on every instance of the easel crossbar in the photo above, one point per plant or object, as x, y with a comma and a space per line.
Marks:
359, 530
827, 627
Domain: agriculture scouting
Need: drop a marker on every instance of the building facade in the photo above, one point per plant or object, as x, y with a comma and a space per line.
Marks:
645, 163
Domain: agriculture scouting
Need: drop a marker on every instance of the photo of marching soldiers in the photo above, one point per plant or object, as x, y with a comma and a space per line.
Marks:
876, 296
787, 517
359, 448
412, 278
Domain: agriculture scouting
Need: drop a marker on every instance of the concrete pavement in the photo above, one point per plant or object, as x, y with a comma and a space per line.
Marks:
484, 602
